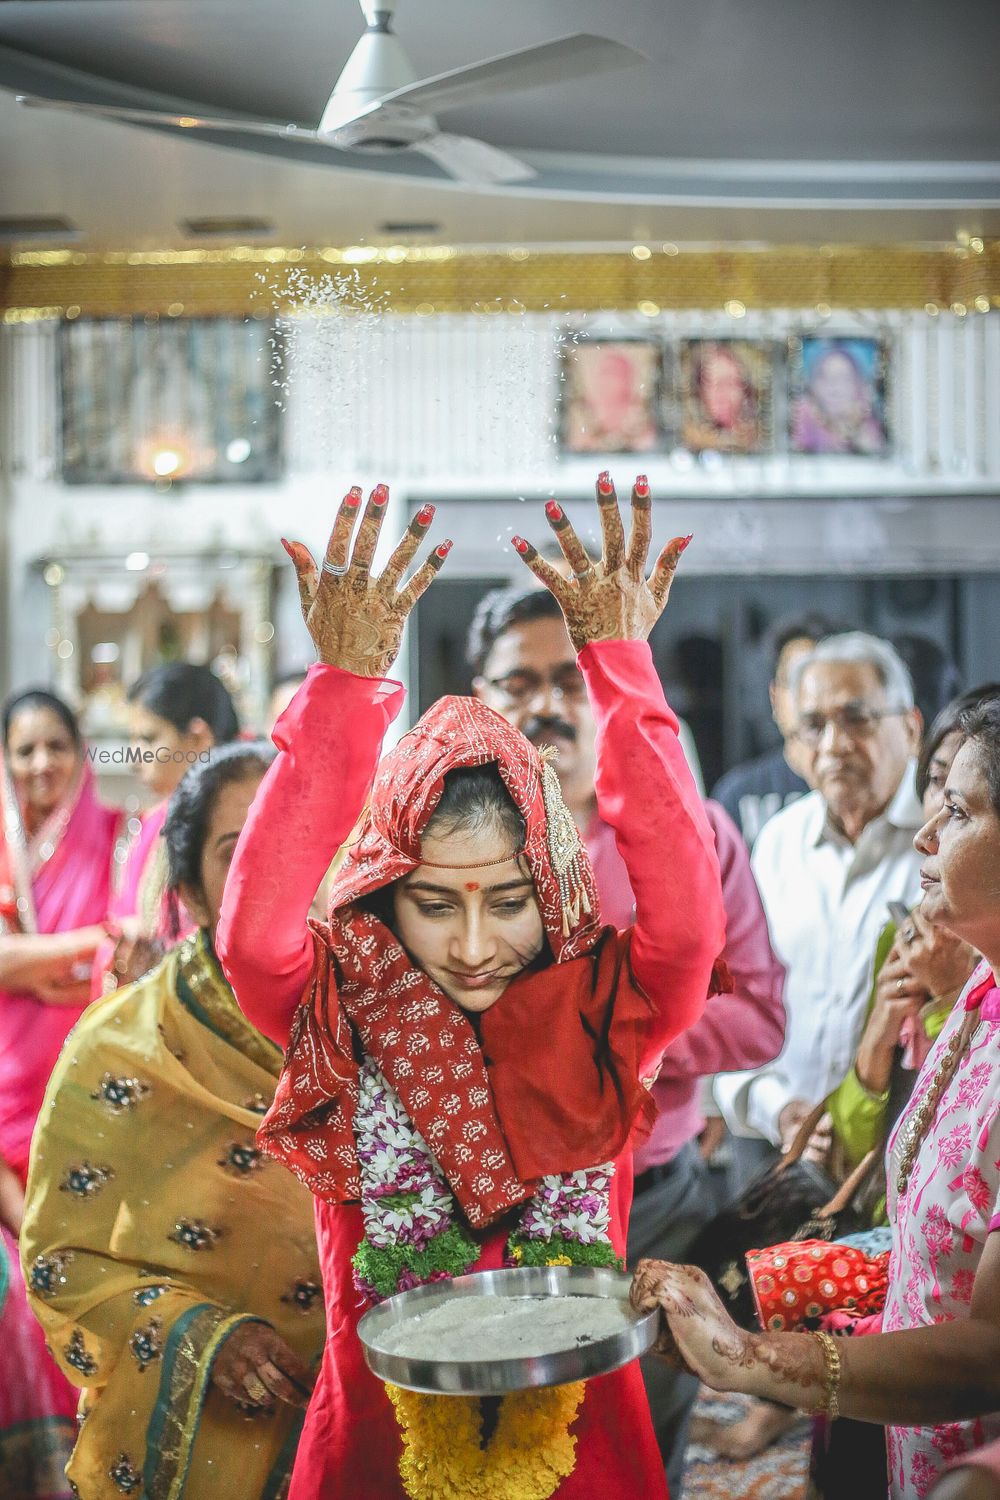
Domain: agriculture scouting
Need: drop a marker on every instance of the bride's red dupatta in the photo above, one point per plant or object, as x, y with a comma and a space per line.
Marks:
550, 1083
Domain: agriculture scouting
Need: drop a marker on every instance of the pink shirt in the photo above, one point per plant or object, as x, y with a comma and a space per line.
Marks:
741, 1030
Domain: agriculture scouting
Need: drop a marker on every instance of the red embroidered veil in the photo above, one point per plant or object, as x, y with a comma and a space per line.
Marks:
550, 1084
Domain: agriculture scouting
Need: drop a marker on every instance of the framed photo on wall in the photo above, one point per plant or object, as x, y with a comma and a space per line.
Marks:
837, 396
611, 396
726, 389
169, 400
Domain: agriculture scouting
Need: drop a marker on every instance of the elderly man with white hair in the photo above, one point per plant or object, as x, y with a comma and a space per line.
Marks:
827, 866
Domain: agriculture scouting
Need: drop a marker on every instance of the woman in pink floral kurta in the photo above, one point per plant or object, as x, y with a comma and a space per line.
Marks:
932, 1376
942, 1220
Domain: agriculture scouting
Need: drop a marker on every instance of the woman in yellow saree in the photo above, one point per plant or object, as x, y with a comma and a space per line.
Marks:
171, 1265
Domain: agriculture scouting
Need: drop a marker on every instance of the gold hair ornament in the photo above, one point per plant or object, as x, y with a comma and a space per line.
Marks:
565, 847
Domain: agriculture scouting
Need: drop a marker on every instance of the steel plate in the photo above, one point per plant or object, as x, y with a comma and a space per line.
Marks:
479, 1376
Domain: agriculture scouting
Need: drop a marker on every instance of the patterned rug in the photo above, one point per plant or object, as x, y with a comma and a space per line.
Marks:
777, 1474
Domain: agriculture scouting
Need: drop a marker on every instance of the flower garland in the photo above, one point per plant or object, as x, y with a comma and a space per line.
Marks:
567, 1222
413, 1236
529, 1455
412, 1233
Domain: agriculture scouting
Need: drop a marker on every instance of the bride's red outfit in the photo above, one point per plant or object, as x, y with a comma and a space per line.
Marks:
565, 1054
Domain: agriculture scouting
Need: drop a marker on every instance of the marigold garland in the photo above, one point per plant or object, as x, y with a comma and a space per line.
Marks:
529, 1455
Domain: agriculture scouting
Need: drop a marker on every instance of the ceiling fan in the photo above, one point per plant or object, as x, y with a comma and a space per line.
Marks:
378, 105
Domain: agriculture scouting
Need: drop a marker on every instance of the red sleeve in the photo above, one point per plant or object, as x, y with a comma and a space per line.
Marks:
329, 738
647, 794
746, 1027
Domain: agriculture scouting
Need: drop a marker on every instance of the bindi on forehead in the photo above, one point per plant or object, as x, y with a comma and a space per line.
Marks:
472, 885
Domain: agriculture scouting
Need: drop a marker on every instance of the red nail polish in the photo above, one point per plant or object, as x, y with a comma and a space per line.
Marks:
641, 485
380, 495
288, 548
519, 544
604, 483
684, 542
443, 550
554, 511
425, 515
353, 497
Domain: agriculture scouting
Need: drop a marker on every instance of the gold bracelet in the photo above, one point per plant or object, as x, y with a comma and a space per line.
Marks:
830, 1406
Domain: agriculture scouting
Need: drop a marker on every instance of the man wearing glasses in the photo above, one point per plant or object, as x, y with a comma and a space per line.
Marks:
826, 867
525, 668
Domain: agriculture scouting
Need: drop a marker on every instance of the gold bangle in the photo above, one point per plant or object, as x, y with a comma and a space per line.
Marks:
832, 1370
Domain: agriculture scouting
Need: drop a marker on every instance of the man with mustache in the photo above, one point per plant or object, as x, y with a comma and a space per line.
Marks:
525, 668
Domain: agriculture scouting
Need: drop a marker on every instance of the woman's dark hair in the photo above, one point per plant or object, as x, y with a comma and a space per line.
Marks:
947, 721
191, 808
180, 692
39, 698
982, 724
473, 797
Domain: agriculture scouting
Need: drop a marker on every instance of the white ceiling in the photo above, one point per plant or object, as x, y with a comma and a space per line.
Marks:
779, 120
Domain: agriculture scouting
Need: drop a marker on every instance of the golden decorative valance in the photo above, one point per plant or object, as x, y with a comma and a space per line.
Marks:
432, 279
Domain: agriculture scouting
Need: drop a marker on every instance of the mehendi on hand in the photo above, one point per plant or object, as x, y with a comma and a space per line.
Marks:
609, 600
356, 621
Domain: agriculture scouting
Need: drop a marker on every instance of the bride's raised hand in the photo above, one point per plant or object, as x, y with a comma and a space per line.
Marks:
609, 600
356, 621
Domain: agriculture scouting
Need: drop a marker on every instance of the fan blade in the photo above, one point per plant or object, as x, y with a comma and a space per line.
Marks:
161, 117
575, 56
474, 162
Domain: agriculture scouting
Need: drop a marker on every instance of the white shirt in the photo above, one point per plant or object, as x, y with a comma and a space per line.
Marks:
826, 903
691, 755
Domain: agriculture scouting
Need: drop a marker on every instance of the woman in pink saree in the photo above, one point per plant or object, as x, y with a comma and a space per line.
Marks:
177, 712
55, 870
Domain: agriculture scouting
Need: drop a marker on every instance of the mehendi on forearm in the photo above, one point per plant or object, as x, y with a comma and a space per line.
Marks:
737, 1350
794, 1365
